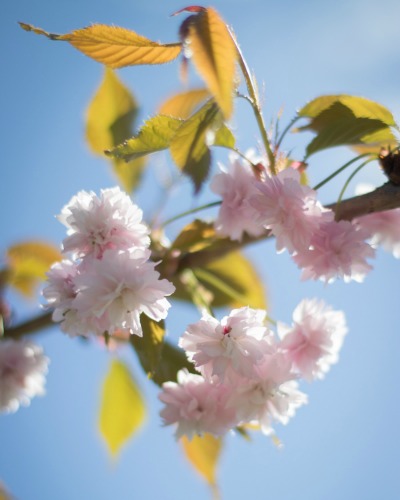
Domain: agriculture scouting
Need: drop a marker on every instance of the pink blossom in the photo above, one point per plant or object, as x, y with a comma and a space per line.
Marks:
96, 224
236, 186
236, 344
384, 229
313, 343
273, 396
114, 291
338, 250
289, 209
197, 406
22, 373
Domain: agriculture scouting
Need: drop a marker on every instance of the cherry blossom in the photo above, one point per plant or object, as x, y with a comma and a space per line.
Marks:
114, 291
96, 224
337, 250
289, 209
197, 406
22, 373
236, 185
236, 344
313, 342
383, 229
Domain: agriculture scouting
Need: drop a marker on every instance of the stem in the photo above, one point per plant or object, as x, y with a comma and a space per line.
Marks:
351, 176
29, 327
339, 170
196, 291
191, 211
286, 130
253, 100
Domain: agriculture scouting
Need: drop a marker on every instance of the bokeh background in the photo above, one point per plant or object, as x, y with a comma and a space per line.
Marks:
345, 442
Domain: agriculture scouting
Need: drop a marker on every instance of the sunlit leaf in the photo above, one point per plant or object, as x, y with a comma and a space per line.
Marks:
114, 46
214, 55
122, 410
27, 264
149, 347
155, 135
204, 453
374, 142
190, 145
194, 237
345, 120
110, 118
224, 137
182, 105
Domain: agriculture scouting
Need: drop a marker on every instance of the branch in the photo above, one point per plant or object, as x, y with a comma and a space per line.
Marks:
386, 197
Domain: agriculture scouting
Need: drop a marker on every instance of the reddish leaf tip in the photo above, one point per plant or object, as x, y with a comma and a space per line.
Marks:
191, 8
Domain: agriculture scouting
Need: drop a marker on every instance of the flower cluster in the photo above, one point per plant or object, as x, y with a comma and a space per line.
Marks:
323, 248
22, 373
109, 281
247, 374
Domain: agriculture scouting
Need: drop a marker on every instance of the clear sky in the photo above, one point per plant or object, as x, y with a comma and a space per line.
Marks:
345, 443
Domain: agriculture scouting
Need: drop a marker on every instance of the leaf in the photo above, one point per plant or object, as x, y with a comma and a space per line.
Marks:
109, 122
114, 46
155, 135
122, 410
214, 55
182, 105
345, 120
28, 263
194, 237
374, 142
203, 453
149, 347
189, 147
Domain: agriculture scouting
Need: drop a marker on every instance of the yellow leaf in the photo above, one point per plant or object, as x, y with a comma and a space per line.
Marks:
114, 46
203, 453
122, 410
28, 263
214, 56
150, 346
109, 122
183, 104
196, 236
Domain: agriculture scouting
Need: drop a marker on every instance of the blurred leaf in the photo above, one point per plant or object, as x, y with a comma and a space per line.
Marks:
122, 410
224, 137
203, 453
374, 142
214, 55
189, 146
195, 236
155, 135
345, 120
28, 263
182, 105
114, 46
110, 119
149, 347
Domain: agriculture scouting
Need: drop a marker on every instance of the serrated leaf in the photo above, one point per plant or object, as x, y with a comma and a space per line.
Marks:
28, 263
183, 104
345, 120
214, 56
204, 453
155, 135
114, 46
373, 143
122, 410
189, 147
110, 118
149, 347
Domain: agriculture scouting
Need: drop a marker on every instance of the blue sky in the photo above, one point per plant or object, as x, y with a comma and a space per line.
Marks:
345, 442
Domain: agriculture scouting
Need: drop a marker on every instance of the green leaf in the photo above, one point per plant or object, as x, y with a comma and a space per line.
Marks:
149, 347
190, 145
214, 56
122, 410
373, 143
114, 46
195, 236
224, 138
344, 120
27, 264
183, 104
110, 118
155, 135
203, 452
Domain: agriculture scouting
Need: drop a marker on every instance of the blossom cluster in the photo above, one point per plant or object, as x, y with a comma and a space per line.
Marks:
22, 373
247, 374
109, 281
322, 247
